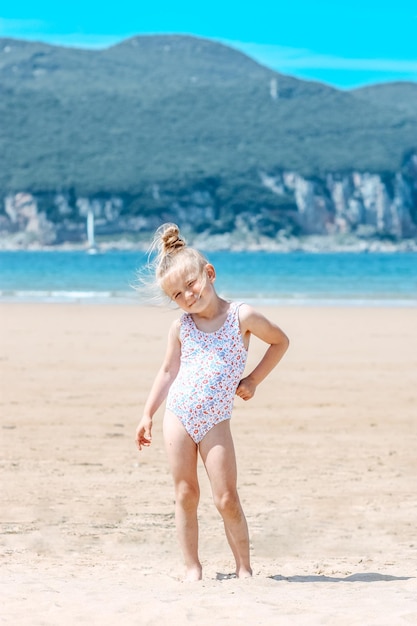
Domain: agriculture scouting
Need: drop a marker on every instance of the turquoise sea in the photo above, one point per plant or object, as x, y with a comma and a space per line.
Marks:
259, 277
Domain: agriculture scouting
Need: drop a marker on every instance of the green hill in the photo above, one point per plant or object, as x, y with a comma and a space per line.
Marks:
179, 128
175, 110
398, 97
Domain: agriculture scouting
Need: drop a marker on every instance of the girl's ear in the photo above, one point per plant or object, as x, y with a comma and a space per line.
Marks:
211, 272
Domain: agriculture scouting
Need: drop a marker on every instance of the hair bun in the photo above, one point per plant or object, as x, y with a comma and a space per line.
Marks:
170, 239
172, 252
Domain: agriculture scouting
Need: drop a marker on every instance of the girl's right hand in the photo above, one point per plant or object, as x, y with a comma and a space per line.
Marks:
144, 433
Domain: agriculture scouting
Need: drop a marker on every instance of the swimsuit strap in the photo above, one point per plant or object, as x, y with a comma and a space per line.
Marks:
186, 319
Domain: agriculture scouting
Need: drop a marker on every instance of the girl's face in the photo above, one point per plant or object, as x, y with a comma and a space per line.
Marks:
189, 288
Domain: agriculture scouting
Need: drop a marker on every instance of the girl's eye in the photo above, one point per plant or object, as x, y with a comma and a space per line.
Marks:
191, 283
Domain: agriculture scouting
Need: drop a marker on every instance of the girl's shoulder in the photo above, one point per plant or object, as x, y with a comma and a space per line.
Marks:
243, 313
249, 317
245, 310
175, 327
183, 324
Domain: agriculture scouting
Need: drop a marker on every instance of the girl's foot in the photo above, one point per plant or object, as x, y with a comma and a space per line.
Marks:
194, 574
243, 572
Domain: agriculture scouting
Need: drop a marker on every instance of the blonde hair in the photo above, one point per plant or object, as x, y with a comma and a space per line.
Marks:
173, 253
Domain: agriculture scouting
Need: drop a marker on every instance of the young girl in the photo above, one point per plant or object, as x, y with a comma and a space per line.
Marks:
200, 375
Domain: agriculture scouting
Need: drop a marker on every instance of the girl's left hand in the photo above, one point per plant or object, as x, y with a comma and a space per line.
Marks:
246, 388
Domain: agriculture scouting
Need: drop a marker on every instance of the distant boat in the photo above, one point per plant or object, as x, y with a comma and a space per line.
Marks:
92, 248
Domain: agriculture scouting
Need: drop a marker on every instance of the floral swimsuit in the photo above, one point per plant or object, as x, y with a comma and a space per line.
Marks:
211, 368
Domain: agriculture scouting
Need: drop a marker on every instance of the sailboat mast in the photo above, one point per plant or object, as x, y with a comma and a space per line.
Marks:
90, 228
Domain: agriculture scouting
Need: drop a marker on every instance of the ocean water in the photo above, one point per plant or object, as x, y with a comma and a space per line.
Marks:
258, 277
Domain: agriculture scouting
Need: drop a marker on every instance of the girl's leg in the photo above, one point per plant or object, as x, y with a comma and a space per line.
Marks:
218, 454
182, 458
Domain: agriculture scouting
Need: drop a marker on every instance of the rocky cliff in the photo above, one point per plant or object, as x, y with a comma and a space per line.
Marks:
364, 205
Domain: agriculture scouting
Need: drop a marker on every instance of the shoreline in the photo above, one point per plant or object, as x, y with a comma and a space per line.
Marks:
130, 298
97, 299
219, 243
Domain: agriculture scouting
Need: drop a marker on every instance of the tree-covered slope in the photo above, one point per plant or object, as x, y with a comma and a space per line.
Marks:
399, 96
178, 109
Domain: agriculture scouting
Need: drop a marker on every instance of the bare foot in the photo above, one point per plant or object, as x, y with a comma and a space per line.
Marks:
243, 572
193, 574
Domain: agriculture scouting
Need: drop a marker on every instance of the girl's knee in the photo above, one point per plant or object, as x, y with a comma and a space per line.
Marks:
228, 503
187, 495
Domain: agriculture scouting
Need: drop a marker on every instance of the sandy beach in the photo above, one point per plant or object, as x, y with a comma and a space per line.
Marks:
327, 475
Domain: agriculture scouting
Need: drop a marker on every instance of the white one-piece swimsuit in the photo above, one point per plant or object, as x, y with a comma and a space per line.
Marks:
211, 368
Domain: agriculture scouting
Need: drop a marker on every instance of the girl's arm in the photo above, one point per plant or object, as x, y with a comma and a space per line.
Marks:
159, 390
253, 322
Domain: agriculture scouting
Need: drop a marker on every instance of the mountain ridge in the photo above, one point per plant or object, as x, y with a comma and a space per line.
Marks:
186, 115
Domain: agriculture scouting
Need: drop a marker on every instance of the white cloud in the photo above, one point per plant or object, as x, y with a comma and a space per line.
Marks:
43, 31
8, 27
287, 58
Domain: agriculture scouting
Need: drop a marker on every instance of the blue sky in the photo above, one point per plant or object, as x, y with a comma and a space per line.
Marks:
345, 44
